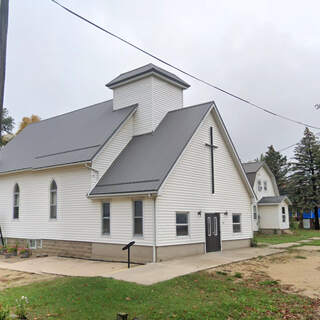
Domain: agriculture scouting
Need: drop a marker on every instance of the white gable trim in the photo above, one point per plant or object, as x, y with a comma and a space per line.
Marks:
213, 109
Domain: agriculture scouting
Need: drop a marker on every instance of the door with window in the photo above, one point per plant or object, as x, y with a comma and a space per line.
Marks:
212, 221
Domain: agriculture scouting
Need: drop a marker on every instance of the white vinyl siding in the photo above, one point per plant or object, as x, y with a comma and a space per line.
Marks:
111, 150
263, 185
155, 98
188, 189
79, 216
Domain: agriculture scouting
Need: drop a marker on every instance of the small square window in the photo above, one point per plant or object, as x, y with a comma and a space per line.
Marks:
32, 244
182, 224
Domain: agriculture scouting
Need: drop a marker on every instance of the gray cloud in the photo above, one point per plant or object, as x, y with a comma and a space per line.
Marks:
267, 51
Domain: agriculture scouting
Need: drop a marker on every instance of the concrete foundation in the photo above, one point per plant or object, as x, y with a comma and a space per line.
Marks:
270, 231
178, 251
235, 244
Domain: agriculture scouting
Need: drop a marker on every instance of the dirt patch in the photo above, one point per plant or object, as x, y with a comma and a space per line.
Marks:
10, 278
296, 271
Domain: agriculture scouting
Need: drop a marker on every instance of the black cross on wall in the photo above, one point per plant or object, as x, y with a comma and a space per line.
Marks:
212, 147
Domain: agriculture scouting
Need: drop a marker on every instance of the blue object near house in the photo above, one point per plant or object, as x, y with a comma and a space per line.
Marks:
310, 214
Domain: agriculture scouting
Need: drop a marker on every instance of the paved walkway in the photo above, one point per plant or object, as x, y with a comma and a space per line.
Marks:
144, 274
157, 272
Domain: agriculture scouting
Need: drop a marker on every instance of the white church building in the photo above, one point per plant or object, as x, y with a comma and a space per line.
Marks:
139, 167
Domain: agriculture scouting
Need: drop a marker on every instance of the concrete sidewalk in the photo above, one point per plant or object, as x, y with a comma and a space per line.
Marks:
157, 272
146, 274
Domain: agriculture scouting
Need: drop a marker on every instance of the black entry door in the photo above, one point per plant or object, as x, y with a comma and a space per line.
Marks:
212, 221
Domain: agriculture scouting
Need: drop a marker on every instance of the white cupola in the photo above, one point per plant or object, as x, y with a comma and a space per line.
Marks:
155, 90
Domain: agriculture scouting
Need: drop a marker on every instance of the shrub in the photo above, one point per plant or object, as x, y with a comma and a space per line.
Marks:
254, 242
21, 307
4, 312
238, 275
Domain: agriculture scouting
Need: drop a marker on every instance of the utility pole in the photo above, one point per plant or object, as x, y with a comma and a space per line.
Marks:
4, 12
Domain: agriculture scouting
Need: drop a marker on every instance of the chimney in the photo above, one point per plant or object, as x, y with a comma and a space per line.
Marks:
155, 90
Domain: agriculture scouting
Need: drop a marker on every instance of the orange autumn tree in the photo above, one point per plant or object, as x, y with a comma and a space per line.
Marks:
26, 121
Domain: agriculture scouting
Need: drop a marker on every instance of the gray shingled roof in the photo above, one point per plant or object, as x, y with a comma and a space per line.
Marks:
145, 70
146, 161
272, 200
251, 169
69, 138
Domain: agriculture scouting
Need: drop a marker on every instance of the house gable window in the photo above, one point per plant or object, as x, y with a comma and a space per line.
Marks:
259, 185
16, 201
53, 200
255, 212
236, 222
283, 214
138, 218
182, 224
106, 218
265, 185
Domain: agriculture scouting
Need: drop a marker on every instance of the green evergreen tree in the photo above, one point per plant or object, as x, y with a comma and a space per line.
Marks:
305, 178
279, 166
7, 125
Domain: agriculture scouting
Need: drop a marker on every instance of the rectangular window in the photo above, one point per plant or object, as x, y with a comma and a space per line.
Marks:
39, 244
259, 185
283, 214
32, 244
255, 212
106, 218
265, 186
53, 204
16, 206
182, 224
138, 218
236, 222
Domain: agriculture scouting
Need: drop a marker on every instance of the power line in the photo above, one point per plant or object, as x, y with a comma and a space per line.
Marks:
182, 71
292, 145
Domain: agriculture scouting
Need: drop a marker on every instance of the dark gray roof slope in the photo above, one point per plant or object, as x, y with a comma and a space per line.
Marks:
144, 70
146, 161
272, 200
69, 138
251, 169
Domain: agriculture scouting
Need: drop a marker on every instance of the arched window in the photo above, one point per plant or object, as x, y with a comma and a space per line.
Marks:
53, 200
16, 201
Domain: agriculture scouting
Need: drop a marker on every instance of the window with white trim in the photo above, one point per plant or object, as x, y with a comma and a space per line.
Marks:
138, 218
32, 244
265, 185
259, 185
236, 222
283, 214
182, 224
255, 212
105, 218
16, 201
53, 200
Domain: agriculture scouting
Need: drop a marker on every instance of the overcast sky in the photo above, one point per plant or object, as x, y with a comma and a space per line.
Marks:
266, 51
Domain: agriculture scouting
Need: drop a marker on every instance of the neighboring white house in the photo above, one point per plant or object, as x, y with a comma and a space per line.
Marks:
139, 167
271, 213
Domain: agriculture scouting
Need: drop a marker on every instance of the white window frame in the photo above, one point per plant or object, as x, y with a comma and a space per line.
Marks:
105, 218
183, 224
236, 223
255, 212
52, 205
265, 185
30, 244
260, 188
134, 217
16, 204
284, 214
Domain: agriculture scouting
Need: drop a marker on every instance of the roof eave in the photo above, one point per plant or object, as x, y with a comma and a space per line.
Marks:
122, 194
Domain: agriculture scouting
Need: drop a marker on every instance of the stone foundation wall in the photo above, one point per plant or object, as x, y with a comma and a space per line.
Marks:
270, 231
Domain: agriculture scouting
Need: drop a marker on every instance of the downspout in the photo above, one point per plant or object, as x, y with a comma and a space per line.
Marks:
154, 251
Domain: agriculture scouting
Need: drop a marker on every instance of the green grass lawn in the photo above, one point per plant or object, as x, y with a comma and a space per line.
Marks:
197, 296
297, 235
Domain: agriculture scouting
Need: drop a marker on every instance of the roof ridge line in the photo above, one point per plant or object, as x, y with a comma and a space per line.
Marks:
193, 106
63, 114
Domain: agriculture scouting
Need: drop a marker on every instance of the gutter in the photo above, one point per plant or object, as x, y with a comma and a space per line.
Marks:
112, 195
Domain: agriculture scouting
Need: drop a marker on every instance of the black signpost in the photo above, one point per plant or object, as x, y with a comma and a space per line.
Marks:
127, 247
